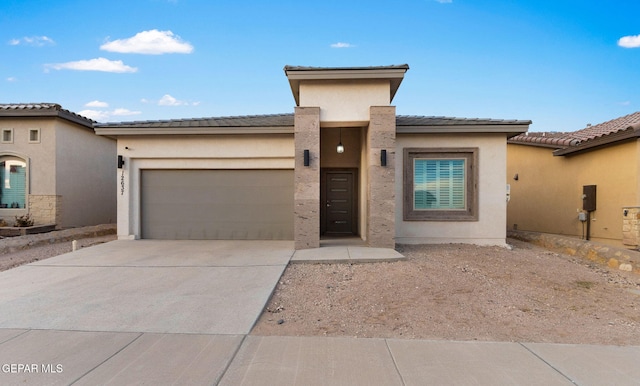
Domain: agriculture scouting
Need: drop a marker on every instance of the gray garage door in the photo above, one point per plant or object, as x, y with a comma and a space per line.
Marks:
217, 204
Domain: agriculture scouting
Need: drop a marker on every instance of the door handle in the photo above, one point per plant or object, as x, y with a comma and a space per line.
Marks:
328, 204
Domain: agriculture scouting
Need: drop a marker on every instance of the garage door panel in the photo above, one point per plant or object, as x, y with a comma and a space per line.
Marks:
217, 204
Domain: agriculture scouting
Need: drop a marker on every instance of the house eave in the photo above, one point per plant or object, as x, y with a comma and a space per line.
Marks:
631, 133
49, 112
393, 74
533, 144
508, 130
147, 131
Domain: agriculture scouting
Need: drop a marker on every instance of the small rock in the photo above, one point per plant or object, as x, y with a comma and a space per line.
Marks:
280, 321
626, 267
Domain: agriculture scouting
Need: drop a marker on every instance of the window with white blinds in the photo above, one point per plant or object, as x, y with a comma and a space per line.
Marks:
13, 183
440, 184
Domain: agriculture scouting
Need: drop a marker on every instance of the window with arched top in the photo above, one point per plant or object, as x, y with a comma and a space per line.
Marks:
13, 182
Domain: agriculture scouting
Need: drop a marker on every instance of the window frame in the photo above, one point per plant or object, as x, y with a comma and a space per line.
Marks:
37, 131
9, 156
6, 130
470, 212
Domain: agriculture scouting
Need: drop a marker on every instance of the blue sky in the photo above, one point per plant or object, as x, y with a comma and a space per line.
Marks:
561, 64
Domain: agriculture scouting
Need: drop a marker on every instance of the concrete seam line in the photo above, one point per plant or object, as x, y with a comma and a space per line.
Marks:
233, 357
395, 364
104, 361
547, 363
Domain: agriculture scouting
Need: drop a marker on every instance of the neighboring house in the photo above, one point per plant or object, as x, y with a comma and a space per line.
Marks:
548, 173
395, 179
54, 167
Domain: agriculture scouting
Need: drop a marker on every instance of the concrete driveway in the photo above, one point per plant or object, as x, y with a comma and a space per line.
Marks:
96, 312
191, 287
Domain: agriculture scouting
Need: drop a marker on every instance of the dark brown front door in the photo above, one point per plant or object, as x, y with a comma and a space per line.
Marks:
339, 202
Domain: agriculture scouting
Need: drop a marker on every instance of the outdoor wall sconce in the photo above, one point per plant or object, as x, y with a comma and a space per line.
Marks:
306, 157
120, 162
340, 148
383, 157
516, 177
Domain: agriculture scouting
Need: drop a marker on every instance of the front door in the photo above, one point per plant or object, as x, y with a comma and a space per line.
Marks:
338, 214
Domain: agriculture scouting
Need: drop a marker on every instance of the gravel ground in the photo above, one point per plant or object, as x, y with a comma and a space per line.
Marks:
14, 259
460, 292
449, 292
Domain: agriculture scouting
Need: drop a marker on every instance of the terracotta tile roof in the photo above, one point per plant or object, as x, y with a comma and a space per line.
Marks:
581, 138
42, 109
30, 106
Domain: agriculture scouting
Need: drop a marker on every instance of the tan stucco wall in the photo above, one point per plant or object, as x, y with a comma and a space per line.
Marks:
329, 157
85, 176
41, 163
345, 103
41, 155
548, 193
490, 228
191, 152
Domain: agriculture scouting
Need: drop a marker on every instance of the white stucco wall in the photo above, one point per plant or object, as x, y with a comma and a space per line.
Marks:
191, 152
85, 176
490, 229
345, 103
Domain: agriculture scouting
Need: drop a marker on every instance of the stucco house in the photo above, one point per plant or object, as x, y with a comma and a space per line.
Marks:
584, 183
54, 167
342, 164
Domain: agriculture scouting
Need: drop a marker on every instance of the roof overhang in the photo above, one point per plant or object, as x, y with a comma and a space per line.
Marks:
297, 74
510, 130
630, 133
121, 130
53, 111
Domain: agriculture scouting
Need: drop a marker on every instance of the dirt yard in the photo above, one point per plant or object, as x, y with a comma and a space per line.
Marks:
460, 292
15, 259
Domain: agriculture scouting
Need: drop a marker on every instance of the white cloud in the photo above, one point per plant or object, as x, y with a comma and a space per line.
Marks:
12, 79
96, 115
342, 45
97, 104
629, 41
168, 100
37, 41
125, 112
151, 42
625, 103
99, 64
104, 116
444, 1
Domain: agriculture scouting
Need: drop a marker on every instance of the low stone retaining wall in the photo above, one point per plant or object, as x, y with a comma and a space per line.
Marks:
614, 257
12, 244
21, 231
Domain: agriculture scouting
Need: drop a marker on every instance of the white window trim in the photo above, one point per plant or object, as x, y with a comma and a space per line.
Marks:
27, 161
10, 130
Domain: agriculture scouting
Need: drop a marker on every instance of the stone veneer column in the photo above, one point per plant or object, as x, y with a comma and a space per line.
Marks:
381, 228
631, 226
45, 209
307, 178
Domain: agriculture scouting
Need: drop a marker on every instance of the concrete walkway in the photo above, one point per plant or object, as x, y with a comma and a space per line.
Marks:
178, 312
